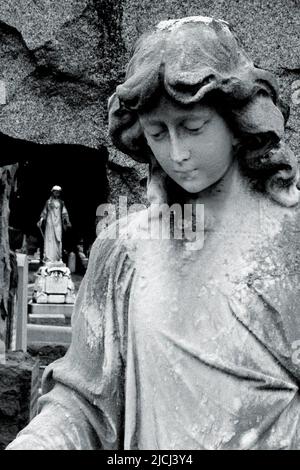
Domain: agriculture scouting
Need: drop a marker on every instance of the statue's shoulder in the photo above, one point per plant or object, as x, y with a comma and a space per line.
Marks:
277, 244
119, 236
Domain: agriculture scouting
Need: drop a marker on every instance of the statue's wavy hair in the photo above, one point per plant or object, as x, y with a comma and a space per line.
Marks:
199, 59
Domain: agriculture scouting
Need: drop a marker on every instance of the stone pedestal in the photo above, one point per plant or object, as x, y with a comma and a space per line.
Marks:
19, 382
47, 334
50, 309
54, 285
50, 314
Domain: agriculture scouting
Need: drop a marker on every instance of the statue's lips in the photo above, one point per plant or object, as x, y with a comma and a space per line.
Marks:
186, 173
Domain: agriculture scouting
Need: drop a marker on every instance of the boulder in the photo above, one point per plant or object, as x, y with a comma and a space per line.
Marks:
19, 382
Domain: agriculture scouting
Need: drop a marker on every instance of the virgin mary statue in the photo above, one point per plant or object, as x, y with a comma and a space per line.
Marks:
55, 216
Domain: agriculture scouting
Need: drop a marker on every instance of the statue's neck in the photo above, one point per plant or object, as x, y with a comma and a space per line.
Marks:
225, 201
216, 196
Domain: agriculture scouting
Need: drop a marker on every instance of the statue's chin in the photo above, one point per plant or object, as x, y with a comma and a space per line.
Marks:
193, 187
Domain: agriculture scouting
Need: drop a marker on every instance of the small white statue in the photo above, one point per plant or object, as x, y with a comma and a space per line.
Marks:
56, 218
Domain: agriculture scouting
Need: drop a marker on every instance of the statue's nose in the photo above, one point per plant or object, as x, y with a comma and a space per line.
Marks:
178, 151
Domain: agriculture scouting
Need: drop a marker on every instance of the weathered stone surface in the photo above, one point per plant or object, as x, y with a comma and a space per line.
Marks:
39, 21
51, 309
47, 353
268, 30
54, 320
18, 384
48, 334
60, 62
257, 23
6, 179
127, 180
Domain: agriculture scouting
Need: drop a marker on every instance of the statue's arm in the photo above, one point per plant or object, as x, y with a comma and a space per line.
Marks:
65, 422
43, 215
44, 211
65, 214
84, 401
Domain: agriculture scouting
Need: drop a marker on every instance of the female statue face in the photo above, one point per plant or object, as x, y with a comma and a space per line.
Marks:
193, 144
56, 194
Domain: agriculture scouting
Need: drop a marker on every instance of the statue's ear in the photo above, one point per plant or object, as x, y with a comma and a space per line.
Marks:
283, 185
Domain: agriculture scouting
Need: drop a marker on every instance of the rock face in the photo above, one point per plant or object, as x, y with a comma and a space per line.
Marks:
19, 379
60, 61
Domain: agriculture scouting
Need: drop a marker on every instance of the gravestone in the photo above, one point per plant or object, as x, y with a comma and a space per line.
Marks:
54, 285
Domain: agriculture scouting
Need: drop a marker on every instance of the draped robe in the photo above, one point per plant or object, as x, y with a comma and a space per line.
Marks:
53, 213
180, 349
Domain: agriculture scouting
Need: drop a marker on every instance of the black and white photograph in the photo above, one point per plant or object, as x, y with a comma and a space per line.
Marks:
149, 228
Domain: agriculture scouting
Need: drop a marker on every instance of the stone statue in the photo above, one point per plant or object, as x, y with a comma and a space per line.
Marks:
175, 348
56, 218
